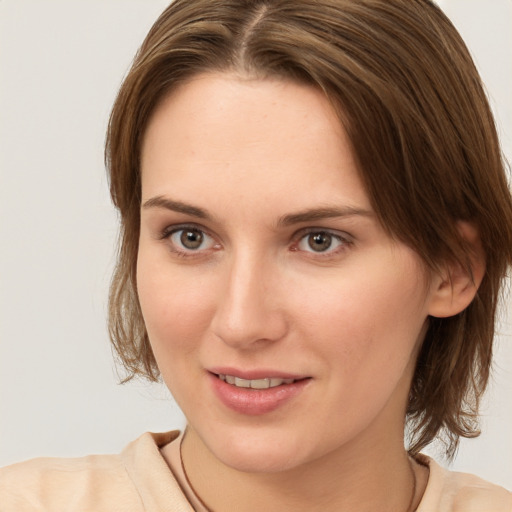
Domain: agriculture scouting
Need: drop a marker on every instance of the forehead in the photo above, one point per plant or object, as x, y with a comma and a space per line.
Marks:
245, 137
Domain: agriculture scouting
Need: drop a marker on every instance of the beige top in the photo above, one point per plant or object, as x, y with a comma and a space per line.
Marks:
139, 479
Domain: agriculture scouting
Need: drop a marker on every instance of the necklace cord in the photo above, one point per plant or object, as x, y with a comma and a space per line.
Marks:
189, 483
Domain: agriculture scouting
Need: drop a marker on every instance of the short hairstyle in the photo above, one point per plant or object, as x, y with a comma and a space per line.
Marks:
412, 103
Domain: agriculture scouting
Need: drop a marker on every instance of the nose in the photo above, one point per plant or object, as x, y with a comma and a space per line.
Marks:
248, 312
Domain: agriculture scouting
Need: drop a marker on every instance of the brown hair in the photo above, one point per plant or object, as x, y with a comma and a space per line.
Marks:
414, 108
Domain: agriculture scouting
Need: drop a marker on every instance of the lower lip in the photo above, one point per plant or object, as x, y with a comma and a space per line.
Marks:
254, 402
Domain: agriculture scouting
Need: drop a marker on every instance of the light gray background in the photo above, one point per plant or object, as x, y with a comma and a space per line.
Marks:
61, 63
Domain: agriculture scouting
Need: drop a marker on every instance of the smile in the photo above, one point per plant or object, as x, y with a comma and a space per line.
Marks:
256, 394
266, 383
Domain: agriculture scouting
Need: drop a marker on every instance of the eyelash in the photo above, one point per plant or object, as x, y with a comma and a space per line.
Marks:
168, 233
344, 241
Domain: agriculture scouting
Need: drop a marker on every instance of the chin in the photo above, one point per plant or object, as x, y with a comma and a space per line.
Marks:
258, 454
259, 462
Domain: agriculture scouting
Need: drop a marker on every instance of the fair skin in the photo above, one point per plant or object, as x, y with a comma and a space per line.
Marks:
260, 257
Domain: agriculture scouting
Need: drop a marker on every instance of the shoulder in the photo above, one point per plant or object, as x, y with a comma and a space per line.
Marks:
54, 483
451, 491
123, 482
50, 483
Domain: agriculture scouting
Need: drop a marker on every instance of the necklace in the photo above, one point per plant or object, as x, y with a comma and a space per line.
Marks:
203, 504
189, 483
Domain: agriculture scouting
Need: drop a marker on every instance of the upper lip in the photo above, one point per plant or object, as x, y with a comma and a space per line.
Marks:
260, 373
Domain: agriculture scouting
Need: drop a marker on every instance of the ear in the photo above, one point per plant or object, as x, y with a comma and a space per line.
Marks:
455, 288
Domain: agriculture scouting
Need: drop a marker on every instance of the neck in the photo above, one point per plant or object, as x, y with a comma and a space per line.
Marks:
380, 477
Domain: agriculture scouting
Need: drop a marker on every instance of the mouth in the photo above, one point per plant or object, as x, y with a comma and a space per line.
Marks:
256, 392
265, 383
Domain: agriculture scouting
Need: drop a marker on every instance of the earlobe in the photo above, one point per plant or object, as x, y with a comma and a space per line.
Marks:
455, 288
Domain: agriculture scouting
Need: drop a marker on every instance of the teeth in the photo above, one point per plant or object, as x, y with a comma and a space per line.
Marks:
254, 383
261, 383
242, 383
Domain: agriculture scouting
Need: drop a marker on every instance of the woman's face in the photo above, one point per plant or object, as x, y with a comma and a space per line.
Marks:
262, 264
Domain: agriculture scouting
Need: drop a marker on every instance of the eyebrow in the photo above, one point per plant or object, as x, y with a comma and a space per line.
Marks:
309, 215
314, 214
176, 206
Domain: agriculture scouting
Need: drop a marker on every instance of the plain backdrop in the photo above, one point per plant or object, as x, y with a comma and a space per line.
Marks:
61, 63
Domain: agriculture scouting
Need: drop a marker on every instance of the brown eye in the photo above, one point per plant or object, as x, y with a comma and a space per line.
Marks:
189, 241
323, 242
319, 242
191, 238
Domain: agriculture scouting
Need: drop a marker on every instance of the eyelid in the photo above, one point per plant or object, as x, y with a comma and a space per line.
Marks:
170, 230
343, 237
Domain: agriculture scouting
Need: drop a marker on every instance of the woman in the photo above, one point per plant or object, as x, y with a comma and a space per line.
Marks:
315, 227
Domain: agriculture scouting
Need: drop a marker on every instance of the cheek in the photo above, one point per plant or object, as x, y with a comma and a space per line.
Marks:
368, 321
176, 307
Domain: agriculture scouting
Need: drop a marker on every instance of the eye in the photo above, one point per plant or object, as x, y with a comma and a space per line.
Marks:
189, 239
321, 242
